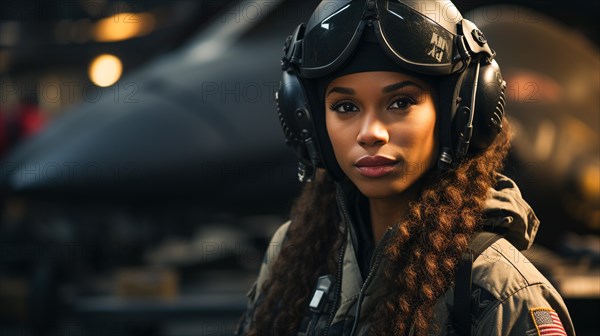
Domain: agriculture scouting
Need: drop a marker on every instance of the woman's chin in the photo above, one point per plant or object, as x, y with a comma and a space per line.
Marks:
381, 190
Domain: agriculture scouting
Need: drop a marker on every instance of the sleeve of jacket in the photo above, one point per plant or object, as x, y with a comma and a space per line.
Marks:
254, 294
525, 303
534, 310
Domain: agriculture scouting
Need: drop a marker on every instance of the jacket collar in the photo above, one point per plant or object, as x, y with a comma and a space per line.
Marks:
505, 209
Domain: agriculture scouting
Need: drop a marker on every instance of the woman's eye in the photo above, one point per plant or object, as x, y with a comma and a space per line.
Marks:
344, 107
402, 103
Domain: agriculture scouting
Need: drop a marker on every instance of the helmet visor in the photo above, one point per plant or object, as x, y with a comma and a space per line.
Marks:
414, 39
331, 34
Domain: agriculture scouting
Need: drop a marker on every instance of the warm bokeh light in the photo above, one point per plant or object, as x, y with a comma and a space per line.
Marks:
590, 181
105, 70
123, 26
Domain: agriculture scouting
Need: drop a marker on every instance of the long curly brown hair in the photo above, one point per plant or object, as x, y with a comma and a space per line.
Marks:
422, 254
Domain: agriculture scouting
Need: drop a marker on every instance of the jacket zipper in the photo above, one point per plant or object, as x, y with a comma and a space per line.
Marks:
338, 287
375, 261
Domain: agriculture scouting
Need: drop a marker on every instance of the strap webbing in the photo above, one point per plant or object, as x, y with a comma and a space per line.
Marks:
463, 280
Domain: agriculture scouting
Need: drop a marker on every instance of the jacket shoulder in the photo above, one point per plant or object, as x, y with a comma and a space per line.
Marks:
508, 289
275, 243
254, 294
271, 254
503, 270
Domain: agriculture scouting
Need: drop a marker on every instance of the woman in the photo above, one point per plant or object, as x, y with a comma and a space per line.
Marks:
395, 110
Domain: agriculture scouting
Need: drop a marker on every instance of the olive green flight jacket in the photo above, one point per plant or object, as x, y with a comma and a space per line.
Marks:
509, 295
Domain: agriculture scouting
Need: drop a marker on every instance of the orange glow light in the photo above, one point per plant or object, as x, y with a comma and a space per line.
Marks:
123, 26
105, 70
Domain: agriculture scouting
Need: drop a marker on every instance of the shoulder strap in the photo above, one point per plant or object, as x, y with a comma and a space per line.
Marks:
463, 279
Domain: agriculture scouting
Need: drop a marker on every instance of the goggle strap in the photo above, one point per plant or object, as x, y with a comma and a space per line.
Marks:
463, 58
292, 49
296, 58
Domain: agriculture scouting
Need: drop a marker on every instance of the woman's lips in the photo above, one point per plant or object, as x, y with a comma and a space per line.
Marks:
375, 166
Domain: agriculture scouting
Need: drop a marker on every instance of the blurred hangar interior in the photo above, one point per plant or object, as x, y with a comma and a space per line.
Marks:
143, 169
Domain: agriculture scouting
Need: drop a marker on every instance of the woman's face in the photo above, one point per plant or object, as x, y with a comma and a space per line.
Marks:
382, 128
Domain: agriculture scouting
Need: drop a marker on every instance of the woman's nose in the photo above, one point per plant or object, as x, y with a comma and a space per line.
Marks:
373, 132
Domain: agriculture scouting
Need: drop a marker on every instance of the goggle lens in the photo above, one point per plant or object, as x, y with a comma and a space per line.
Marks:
332, 33
326, 42
414, 38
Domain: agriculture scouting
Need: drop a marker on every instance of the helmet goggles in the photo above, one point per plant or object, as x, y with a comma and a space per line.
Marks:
414, 40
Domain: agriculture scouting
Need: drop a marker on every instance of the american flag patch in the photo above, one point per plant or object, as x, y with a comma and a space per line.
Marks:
547, 322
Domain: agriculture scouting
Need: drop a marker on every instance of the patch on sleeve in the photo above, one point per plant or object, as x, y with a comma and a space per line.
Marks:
547, 322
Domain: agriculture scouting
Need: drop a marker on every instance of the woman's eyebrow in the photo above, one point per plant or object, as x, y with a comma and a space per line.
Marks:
387, 89
400, 85
342, 90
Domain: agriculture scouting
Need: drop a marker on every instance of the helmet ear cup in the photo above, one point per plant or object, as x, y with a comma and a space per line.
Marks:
296, 119
488, 110
304, 129
293, 109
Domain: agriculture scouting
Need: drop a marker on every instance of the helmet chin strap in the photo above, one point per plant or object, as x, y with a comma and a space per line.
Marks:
467, 132
445, 112
306, 173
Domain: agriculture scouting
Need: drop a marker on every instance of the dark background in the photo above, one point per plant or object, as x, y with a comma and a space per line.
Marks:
144, 207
